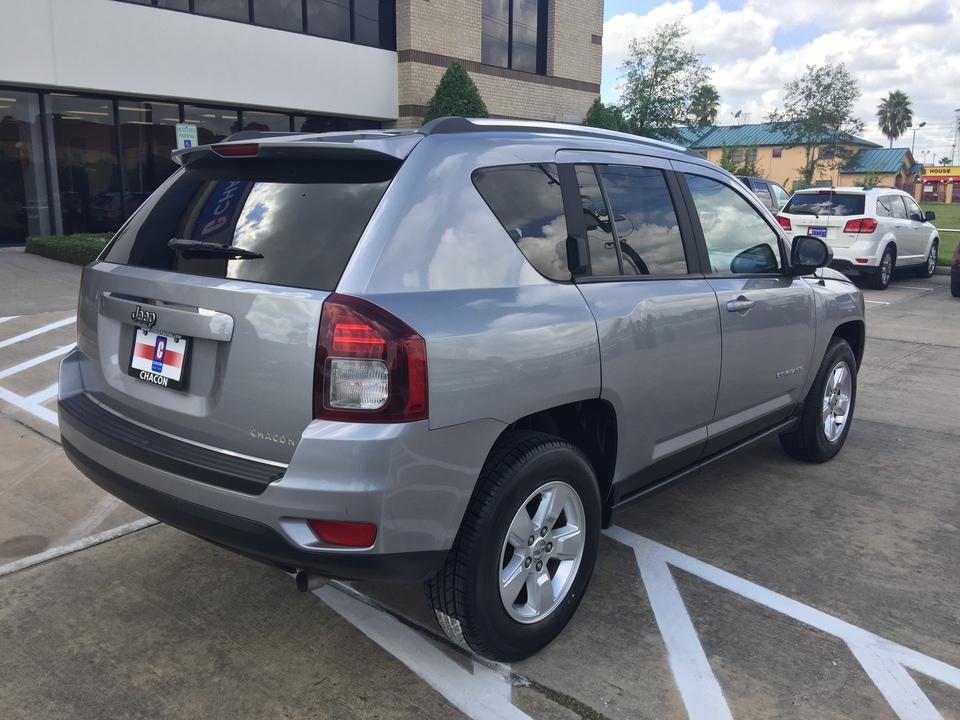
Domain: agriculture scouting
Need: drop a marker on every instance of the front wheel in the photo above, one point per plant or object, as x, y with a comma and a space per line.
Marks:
930, 266
881, 278
828, 409
525, 552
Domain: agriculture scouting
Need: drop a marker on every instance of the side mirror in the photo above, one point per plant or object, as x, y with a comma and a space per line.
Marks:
930, 216
808, 254
758, 259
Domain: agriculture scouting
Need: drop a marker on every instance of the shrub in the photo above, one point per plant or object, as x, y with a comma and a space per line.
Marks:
456, 95
77, 249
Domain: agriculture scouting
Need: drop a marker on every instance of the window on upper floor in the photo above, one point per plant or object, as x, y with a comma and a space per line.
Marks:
514, 34
778, 152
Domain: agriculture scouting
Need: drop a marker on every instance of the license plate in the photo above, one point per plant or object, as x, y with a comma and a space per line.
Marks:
817, 232
159, 358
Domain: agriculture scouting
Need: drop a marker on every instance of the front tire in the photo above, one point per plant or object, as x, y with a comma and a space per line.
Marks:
930, 266
880, 280
525, 551
828, 409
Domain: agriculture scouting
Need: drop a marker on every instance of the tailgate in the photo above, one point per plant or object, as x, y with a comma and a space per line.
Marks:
201, 319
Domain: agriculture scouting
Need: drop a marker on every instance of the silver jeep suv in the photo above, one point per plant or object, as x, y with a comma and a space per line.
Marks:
447, 355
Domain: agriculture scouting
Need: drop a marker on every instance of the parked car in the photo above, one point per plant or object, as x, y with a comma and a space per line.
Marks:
955, 272
871, 230
448, 355
771, 194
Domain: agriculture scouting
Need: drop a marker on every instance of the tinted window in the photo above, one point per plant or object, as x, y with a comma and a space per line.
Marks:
644, 220
526, 200
227, 9
306, 231
825, 202
913, 210
762, 191
891, 206
283, 14
737, 237
600, 238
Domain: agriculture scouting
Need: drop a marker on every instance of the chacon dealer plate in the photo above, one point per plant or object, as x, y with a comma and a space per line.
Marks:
159, 358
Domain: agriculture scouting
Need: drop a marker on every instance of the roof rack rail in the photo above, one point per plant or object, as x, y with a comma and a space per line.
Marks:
446, 125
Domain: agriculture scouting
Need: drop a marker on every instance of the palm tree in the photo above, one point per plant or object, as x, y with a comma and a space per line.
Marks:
946, 160
704, 106
895, 115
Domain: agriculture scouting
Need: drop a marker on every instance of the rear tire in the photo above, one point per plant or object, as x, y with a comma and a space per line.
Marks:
525, 551
930, 266
955, 283
880, 280
828, 408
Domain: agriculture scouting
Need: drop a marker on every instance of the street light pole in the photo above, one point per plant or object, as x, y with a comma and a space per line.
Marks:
913, 144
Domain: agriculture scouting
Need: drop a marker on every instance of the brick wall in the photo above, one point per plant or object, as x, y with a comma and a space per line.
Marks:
432, 32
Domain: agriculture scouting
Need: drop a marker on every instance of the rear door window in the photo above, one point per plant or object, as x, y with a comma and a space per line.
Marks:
645, 220
304, 231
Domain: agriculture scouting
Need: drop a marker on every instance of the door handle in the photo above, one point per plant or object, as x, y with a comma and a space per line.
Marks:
740, 305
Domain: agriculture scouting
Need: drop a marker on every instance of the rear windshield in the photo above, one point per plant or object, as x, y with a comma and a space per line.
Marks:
305, 231
825, 203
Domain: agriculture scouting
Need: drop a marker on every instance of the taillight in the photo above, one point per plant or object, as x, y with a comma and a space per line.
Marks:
239, 150
861, 226
785, 223
370, 367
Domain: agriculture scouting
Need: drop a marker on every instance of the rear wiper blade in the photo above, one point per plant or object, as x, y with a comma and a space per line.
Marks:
193, 248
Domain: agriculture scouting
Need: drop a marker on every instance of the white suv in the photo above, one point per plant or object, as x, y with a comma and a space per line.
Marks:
871, 230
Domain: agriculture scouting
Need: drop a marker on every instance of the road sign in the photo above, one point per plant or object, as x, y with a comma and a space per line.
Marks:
187, 136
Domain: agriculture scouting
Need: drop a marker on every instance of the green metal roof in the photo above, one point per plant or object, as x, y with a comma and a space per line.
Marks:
881, 161
759, 135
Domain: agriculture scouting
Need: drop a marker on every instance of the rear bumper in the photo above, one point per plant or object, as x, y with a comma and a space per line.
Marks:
411, 482
253, 539
846, 259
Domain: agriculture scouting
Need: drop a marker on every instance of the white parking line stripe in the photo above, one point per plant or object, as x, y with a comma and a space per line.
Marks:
56, 552
45, 395
894, 682
482, 693
876, 302
9, 317
701, 693
907, 287
32, 408
856, 638
38, 331
27, 364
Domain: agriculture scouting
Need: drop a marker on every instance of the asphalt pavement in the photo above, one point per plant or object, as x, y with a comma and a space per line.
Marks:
763, 588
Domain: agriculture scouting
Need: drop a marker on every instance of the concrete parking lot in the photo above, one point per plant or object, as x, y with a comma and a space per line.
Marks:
763, 588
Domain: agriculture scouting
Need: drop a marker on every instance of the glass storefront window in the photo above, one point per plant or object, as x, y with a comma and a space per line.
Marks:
24, 206
330, 123
213, 124
329, 19
86, 170
174, 4
147, 138
265, 121
226, 9
281, 14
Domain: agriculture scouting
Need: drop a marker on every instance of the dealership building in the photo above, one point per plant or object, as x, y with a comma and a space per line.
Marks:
92, 91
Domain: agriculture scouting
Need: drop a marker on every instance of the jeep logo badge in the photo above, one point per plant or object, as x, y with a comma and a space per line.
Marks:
145, 319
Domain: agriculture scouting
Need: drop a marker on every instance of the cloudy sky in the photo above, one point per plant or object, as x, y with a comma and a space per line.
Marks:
755, 47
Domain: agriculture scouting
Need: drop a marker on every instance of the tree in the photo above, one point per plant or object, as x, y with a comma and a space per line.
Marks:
739, 160
704, 106
660, 78
456, 95
608, 117
818, 115
895, 115
946, 160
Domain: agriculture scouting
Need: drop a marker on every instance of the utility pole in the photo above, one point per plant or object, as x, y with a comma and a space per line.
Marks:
956, 136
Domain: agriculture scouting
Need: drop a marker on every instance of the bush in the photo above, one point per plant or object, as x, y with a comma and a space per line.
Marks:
77, 249
456, 95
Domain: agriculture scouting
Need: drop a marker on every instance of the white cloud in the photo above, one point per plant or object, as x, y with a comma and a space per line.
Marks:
756, 49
